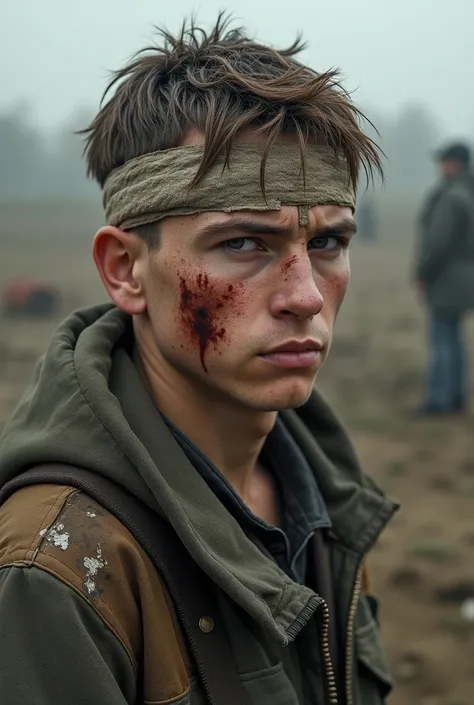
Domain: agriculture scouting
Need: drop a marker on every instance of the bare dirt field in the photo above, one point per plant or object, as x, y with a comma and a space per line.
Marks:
423, 568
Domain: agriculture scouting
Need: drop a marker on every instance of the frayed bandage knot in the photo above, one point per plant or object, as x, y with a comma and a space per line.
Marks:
160, 184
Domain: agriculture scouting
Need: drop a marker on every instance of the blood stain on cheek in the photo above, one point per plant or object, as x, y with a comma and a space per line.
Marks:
202, 307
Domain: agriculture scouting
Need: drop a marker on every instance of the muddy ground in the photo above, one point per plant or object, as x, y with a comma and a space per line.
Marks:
423, 568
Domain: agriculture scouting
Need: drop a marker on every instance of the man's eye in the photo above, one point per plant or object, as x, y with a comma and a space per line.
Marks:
328, 244
241, 244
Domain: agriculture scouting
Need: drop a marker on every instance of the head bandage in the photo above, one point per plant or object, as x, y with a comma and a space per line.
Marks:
159, 184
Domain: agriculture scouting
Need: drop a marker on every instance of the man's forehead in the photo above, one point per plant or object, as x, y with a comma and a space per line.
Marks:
286, 215
284, 221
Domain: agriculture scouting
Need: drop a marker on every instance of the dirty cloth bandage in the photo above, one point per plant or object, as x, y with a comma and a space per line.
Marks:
159, 184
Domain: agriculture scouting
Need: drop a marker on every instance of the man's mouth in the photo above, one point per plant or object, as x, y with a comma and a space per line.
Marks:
294, 354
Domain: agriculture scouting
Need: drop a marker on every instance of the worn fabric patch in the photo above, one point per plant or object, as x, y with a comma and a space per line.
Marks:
159, 184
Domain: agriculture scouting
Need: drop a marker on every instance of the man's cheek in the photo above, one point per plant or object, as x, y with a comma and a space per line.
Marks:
207, 309
341, 290
333, 289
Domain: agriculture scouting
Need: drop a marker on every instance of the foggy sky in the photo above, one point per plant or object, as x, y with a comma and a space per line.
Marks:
55, 55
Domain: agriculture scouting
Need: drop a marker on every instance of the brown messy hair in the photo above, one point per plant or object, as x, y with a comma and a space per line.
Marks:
221, 82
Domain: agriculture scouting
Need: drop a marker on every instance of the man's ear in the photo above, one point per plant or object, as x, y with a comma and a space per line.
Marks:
118, 256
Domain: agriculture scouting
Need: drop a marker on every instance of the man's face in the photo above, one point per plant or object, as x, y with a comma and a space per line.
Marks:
226, 291
449, 167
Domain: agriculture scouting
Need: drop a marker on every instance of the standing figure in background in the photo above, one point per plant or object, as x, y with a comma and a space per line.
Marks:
445, 276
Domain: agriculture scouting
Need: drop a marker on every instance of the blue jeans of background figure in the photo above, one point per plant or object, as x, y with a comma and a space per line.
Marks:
447, 385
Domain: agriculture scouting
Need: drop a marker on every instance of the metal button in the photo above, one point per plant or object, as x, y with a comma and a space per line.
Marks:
206, 624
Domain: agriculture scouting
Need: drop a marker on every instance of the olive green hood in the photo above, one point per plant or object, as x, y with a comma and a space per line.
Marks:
87, 406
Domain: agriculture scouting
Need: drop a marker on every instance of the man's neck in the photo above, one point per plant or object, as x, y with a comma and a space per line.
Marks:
230, 436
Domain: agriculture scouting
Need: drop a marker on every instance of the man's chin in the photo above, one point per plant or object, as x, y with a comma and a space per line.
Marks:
294, 403
279, 400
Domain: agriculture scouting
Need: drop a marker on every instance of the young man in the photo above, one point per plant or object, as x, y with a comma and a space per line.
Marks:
445, 277
228, 172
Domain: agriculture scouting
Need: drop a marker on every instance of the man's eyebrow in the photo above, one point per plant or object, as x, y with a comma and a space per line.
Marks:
255, 227
343, 227
243, 225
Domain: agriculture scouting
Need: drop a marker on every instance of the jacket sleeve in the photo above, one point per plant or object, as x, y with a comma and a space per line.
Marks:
438, 238
54, 648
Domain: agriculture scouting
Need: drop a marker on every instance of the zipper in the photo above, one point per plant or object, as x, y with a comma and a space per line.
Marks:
350, 633
326, 651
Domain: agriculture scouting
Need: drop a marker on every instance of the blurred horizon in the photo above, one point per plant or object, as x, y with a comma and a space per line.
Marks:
393, 56
404, 65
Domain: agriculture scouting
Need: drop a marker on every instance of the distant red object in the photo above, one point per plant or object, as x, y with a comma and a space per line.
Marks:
30, 297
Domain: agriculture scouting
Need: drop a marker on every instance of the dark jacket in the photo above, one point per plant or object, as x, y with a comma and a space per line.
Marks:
85, 616
445, 248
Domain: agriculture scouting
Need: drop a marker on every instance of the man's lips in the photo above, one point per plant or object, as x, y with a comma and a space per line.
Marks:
296, 346
294, 353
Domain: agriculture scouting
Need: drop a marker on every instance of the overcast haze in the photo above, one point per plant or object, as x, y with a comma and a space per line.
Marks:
55, 55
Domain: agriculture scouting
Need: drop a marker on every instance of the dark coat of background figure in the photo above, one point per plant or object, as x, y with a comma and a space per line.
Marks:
445, 274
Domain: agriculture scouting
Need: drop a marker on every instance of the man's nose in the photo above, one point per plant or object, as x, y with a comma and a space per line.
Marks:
297, 294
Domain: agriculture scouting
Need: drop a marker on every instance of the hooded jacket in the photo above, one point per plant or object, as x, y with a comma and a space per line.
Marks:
86, 618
